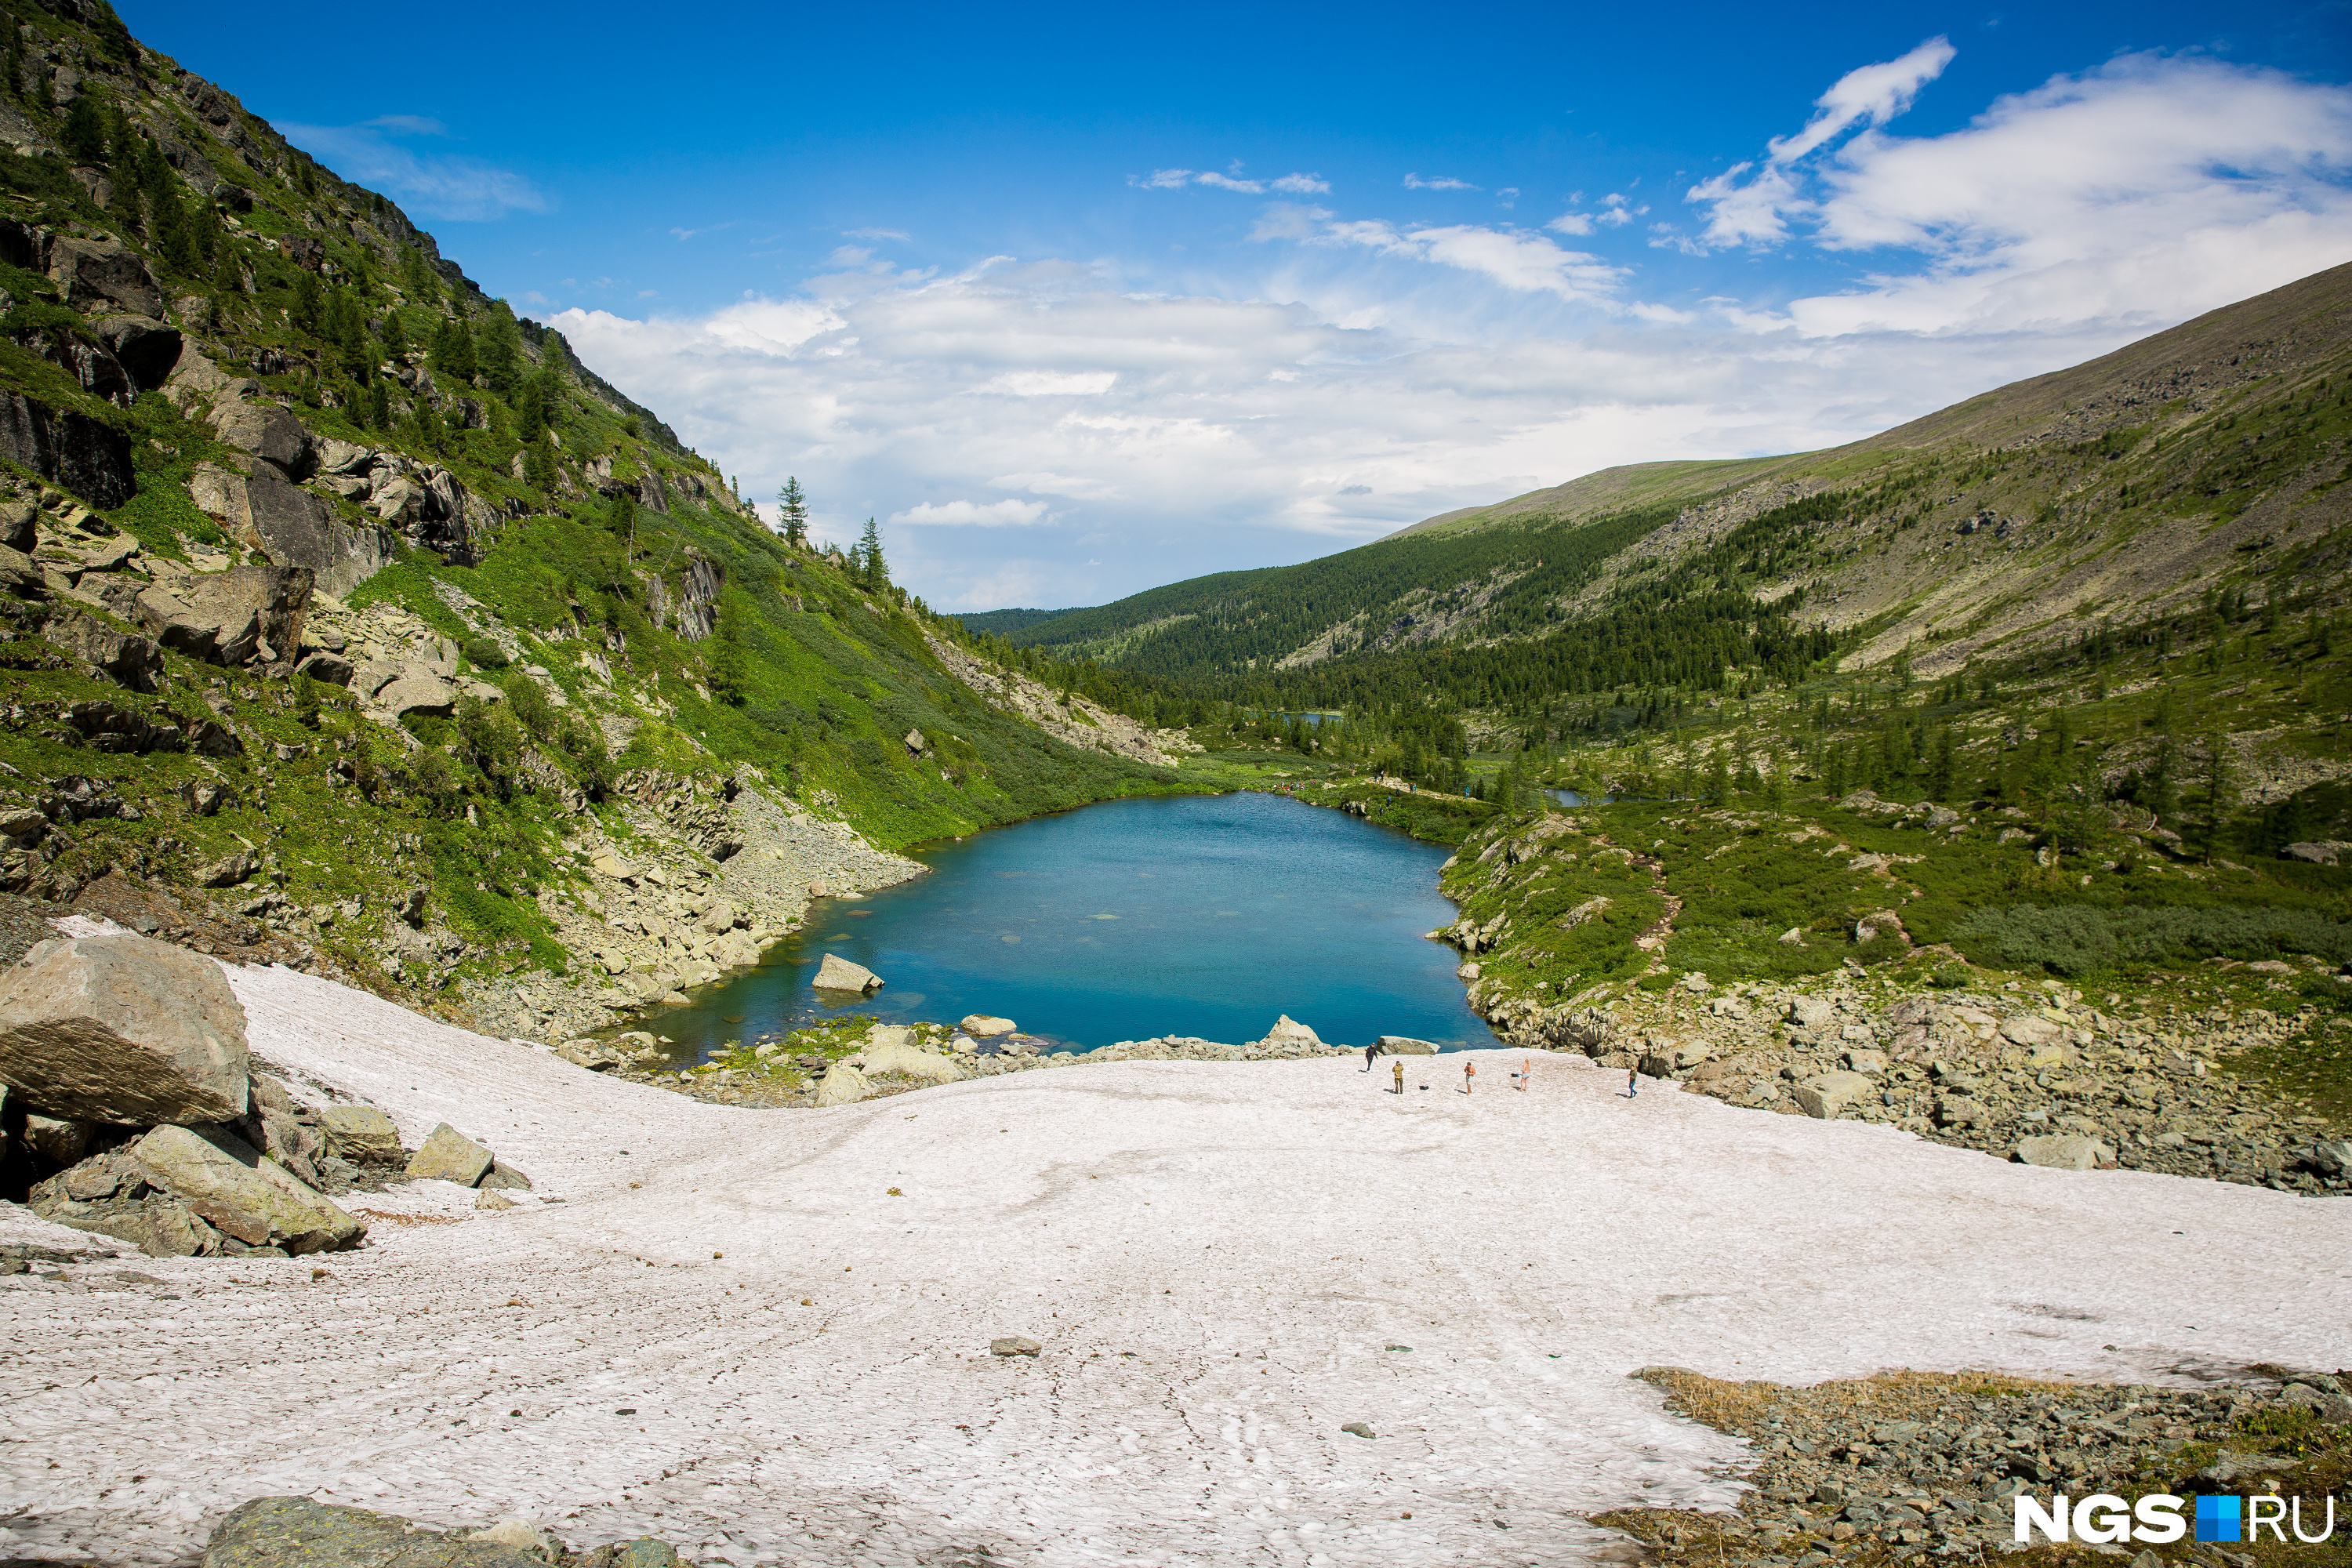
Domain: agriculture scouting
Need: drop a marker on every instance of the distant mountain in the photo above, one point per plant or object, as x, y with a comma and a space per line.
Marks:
2209, 455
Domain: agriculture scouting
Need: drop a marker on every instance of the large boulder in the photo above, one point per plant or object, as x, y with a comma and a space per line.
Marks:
101, 272
362, 1134
2063, 1151
1827, 1095
145, 348
1289, 1031
234, 617
893, 1052
448, 1155
1811, 1012
294, 1532
269, 432
297, 527
226, 1183
987, 1026
1406, 1046
122, 1029
838, 973
842, 1085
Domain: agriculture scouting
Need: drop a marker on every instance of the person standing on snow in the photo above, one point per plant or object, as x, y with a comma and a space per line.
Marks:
1469, 1073
1633, 1083
1399, 1065
1369, 1052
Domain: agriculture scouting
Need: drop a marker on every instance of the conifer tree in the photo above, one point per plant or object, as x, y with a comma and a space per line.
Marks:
791, 513
308, 302
538, 464
498, 349
83, 135
872, 570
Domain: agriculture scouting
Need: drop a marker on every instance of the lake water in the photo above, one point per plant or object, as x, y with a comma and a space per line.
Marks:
1206, 915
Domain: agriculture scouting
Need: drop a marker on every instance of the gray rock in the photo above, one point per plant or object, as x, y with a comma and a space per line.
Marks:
362, 1134
231, 617
122, 657
57, 1139
644, 1551
1811, 1012
985, 1026
1405, 1046
1014, 1345
1825, 1096
297, 527
145, 348
294, 1532
842, 1085
1358, 1429
417, 691
101, 272
448, 1155
226, 1183
2063, 1151
504, 1177
269, 432
84, 455
229, 870
122, 1029
838, 973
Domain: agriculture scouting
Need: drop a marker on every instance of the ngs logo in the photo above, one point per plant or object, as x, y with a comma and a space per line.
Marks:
2154, 1520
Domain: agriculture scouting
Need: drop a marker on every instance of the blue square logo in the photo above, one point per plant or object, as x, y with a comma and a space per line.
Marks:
2217, 1518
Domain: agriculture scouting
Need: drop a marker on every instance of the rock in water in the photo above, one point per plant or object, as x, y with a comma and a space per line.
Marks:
984, 1026
294, 1532
226, 1183
2063, 1151
448, 1155
122, 1029
1405, 1046
838, 973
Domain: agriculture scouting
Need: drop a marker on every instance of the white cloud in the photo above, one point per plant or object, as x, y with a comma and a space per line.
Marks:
1049, 483
849, 255
973, 514
898, 233
1513, 258
1442, 182
1571, 223
1053, 382
1871, 95
433, 185
1231, 180
2145, 190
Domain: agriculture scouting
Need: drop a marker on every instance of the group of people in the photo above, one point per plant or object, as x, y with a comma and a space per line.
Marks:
1519, 1080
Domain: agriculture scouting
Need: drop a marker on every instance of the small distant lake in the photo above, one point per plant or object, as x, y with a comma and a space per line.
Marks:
1206, 915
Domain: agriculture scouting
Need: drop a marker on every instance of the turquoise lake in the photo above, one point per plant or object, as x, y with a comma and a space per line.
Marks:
1204, 915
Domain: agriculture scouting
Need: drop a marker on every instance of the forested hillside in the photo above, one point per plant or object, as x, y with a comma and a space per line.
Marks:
351, 617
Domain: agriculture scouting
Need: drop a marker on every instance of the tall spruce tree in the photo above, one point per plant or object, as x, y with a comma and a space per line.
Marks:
872, 570
791, 513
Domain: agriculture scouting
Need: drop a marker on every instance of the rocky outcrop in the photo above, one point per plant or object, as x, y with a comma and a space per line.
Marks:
245, 615
295, 526
124, 1030
122, 657
147, 349
86, 455
226, 1183
448, 1155
1074, 720
100, 273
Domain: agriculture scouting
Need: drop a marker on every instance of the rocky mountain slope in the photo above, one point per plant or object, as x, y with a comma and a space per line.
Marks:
352, 622
2204, 459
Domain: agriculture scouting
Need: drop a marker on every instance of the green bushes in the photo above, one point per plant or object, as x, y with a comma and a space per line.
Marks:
2074, 939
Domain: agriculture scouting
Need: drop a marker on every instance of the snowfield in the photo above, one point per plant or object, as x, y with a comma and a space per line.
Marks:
729, 1333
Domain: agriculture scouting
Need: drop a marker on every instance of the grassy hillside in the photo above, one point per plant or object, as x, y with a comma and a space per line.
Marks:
218, 356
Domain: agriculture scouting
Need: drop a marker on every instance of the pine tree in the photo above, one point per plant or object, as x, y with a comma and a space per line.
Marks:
538, 464
531, 411
83, 135
462, 364
791, 513
308, 301
872, 570
395, 340
499, 350
379, 411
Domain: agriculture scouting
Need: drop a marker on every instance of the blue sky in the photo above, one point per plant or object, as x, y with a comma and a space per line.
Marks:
1079, 302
